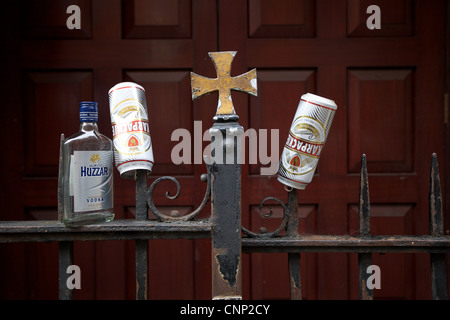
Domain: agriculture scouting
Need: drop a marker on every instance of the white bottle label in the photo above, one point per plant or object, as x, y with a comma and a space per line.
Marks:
92, 174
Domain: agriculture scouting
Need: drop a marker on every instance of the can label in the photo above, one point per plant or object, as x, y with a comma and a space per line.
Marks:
92, 186
306, 139
131, 129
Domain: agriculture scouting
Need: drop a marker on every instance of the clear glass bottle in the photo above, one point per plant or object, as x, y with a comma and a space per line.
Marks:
88, 172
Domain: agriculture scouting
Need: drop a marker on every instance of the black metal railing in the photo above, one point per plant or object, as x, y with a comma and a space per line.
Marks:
436, 244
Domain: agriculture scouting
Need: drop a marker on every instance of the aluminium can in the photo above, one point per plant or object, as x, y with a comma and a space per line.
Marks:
133, 148
307, 136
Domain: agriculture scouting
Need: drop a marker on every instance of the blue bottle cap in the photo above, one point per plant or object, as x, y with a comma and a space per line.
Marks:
88, 111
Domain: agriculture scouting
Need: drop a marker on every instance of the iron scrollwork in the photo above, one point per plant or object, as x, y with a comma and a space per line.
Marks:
282, 226
164, 217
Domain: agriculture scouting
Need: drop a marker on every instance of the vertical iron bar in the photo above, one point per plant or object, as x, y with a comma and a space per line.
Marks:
364, 200
295, 283
141, 249
60, 177
364, 259
65, 260
437, 260
226, 212
65, 250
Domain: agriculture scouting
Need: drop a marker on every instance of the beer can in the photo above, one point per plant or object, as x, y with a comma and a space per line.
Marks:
309, 130
133, 148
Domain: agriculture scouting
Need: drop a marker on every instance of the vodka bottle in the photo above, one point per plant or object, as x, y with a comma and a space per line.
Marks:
87, 172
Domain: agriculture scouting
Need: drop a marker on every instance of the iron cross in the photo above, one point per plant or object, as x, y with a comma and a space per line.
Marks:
224, 83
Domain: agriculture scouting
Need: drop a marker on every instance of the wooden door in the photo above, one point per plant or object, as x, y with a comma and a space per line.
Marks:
387, 83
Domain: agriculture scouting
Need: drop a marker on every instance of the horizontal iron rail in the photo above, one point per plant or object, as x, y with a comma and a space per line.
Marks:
124, 229
129, 229
329, 243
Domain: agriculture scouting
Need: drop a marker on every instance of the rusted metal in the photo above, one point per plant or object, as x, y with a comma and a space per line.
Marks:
225, 175
226, 219
437, 260
141, 245
345, 243
48, 231
174, 216
142, 288
121, 229
141, 195
435, 200
277, 231
364, 200
295, 283
224, 83
364, 259
226, 267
